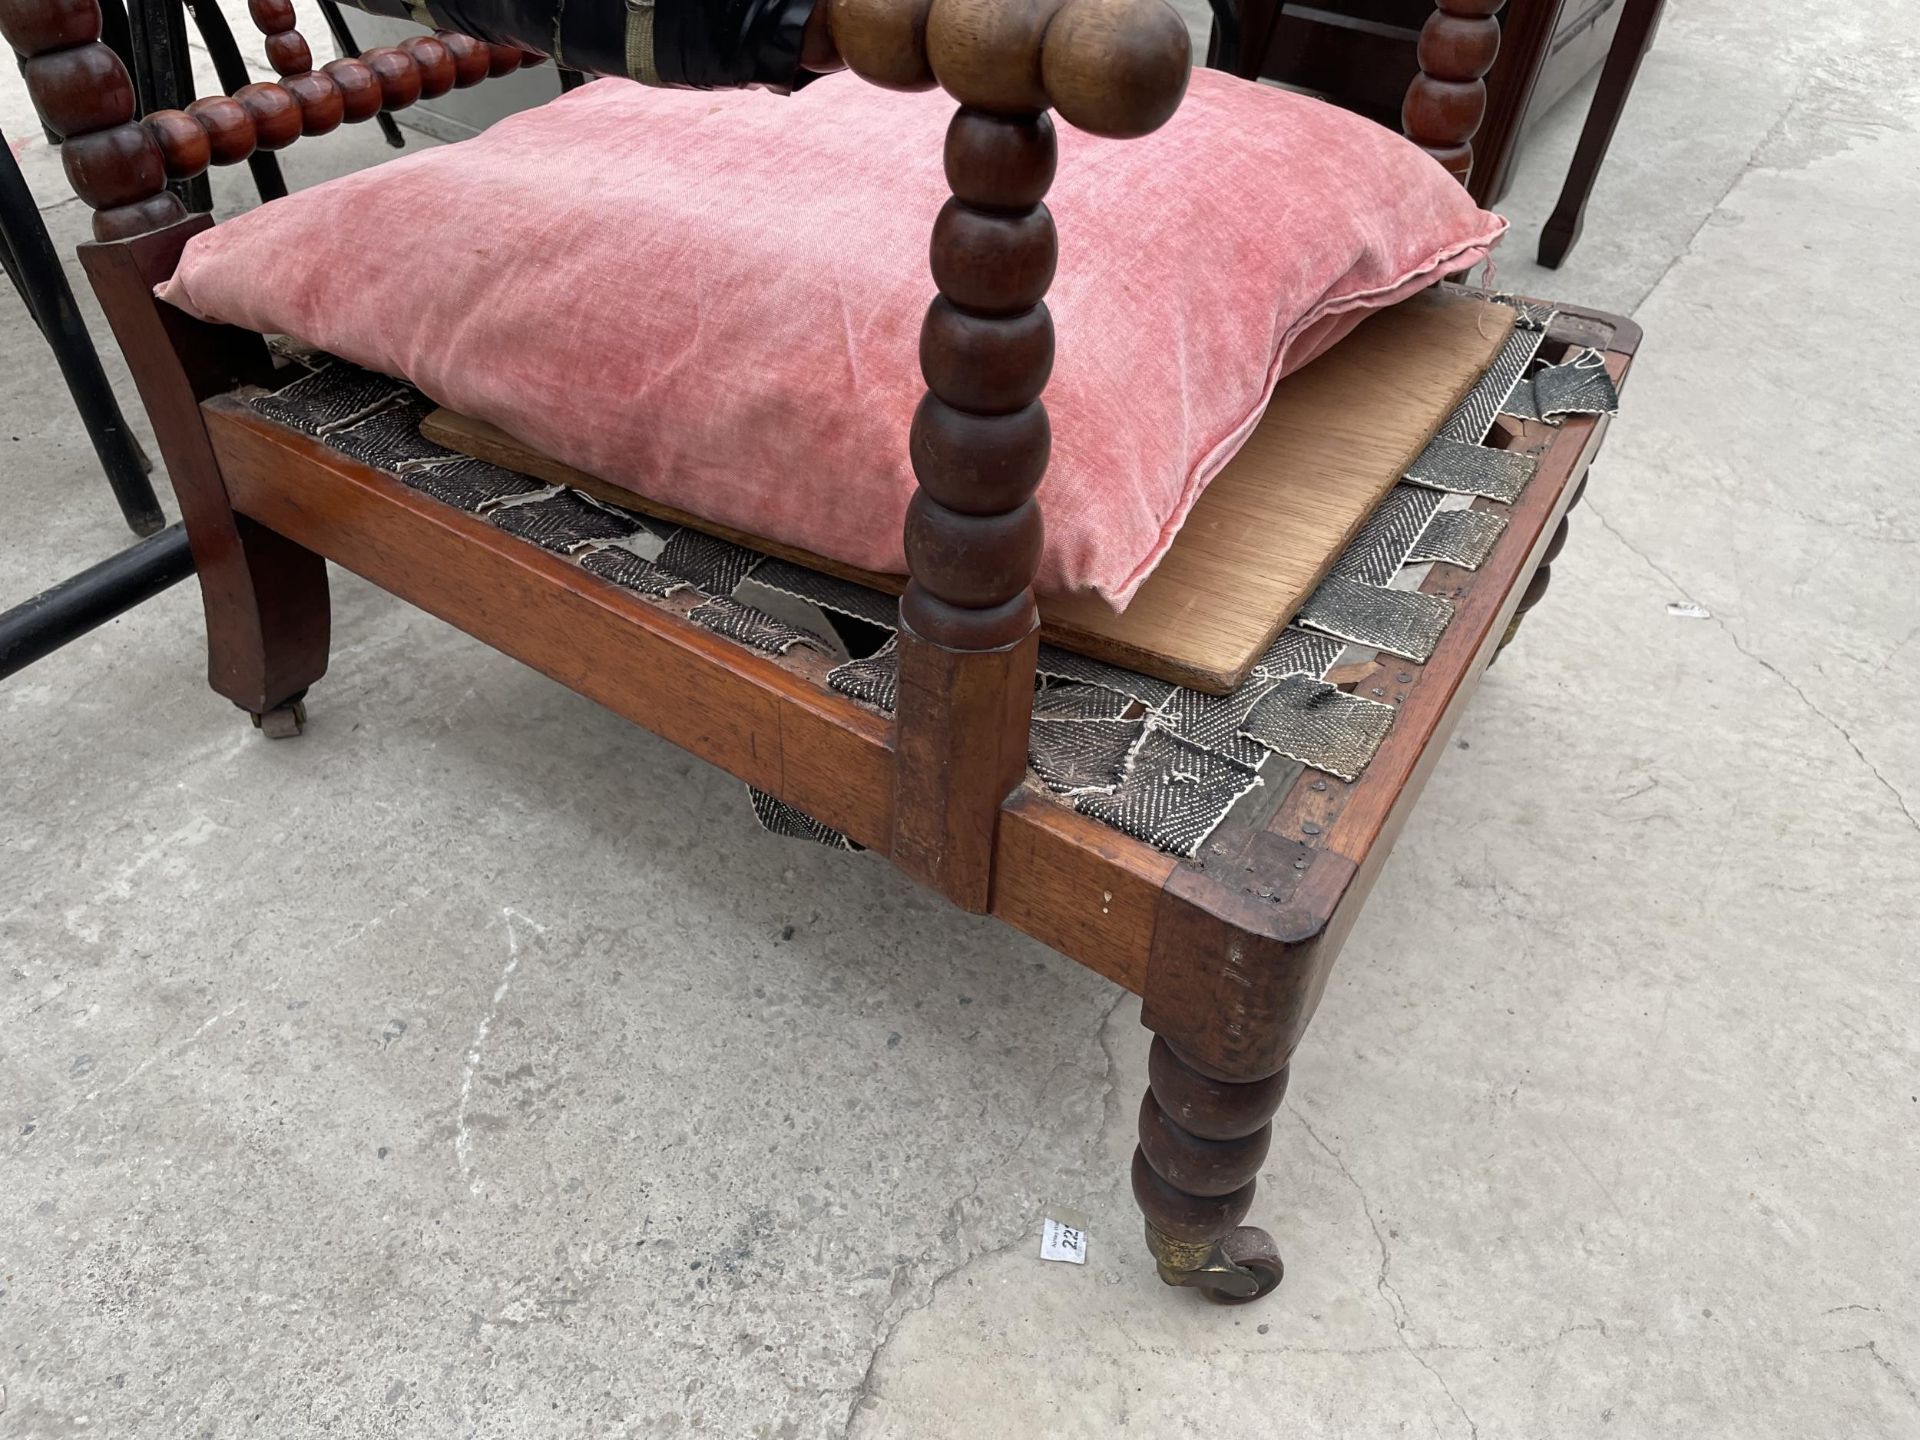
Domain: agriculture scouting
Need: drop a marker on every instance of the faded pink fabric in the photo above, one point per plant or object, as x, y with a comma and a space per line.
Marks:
714, 299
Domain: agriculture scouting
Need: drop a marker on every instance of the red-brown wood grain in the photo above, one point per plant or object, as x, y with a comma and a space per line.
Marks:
772, 724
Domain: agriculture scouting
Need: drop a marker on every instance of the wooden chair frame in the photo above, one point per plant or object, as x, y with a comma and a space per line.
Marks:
1229, 952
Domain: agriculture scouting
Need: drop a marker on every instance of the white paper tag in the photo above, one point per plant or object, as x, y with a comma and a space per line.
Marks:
1687, 610
1061, 1241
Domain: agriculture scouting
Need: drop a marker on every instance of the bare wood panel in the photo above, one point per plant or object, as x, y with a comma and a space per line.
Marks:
773, 725
1336, 437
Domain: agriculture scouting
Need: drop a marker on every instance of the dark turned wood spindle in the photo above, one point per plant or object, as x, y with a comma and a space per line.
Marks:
287, 52
502, 60
274, 112
1448, 98
319, 95
980, 439
1536, 590
323, 107
228, 127
472, 60
120, 164
435, 63
359, 87
979, 446
397, 74
84, 95
1202, 1142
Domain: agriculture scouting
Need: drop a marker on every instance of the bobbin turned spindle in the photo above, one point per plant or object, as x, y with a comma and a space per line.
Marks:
986, 350
471, 58
979, 446
358, 86
229, 128
275, 114
322, 106
1536, 590
435, 63
884, 42
1448, 98
184, 146
289, 54
980, 439
120, 164
287, 50
81, 89
397, 73
271, 17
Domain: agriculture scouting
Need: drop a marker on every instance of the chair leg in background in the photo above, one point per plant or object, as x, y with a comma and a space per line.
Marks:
1630, 46
34, 267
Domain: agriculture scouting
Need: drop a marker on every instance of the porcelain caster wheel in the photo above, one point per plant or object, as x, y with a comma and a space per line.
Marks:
283, 722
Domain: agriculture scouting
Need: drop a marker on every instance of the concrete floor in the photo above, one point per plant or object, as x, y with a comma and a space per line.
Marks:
474, 1067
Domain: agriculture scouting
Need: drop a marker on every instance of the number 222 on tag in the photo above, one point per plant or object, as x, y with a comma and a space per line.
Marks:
1063, 1242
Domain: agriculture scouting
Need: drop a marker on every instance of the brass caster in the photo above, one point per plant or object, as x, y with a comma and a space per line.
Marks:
1238, 1270
1513, 629
283, 722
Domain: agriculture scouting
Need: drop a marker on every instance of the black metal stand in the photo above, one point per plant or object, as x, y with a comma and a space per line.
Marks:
94, 596
33, 266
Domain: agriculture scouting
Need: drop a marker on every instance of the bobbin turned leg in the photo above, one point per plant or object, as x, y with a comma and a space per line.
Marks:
1537, 586
1536, 590
1202, 1142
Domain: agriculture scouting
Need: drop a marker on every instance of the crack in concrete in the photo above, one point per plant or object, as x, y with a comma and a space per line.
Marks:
1872, 1349
462, 1137
93, 1097
177, 1049
1765, 664
1396, 1303
1112, 1108
1361, 1352
864, 1391
1753, 165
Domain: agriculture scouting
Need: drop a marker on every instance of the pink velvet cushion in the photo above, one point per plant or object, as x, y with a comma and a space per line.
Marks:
714, 299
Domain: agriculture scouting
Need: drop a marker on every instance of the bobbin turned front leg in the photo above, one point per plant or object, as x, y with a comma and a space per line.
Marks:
1537, 585
1202, 1142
